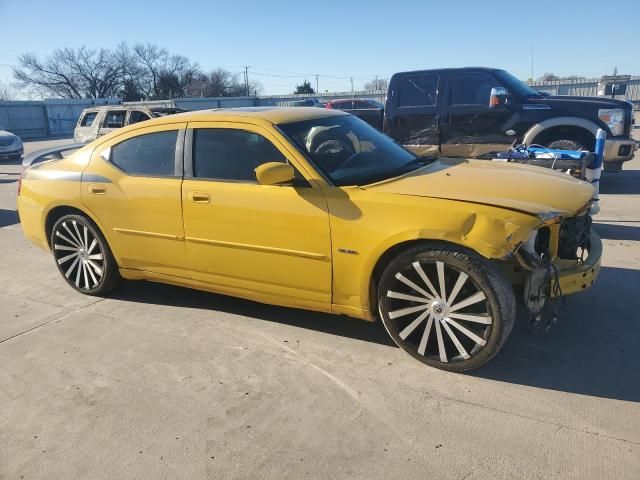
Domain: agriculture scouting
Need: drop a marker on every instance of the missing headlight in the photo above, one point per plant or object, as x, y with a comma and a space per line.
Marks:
543, 238
574, 237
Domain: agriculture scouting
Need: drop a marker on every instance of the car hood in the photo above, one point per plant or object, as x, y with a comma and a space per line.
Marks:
569, 102
534, 190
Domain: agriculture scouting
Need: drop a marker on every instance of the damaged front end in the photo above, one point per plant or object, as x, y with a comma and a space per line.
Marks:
559, 258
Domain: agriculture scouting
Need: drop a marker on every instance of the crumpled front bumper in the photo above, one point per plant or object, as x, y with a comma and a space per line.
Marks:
575, 277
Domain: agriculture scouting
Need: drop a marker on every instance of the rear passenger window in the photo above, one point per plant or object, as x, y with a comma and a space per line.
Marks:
88, 118
225, 154
471, 89
136, 116
418, 91
114, 119
151, 154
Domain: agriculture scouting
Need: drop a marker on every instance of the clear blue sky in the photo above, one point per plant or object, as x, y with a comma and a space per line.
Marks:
340, 38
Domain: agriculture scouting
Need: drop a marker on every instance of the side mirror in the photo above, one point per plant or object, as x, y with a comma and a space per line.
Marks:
498, 97
275, 173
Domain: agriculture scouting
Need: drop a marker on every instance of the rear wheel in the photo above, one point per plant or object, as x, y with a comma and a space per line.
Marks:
446, 306
83, 256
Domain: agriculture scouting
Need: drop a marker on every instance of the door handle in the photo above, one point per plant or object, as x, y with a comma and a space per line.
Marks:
199, 197
98, 189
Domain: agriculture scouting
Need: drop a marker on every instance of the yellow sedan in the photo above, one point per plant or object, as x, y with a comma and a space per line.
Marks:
313, 208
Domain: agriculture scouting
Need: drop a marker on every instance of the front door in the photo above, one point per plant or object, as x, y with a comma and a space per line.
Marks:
471, 128
240, 235
133, 186
415, 122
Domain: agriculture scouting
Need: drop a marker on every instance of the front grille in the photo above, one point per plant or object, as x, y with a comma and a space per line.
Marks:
574, 237
6, 141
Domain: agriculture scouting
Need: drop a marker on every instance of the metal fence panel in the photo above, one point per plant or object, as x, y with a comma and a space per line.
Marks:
63, 114
25, 119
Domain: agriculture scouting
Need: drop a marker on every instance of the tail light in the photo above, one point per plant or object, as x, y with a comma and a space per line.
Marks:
328, 105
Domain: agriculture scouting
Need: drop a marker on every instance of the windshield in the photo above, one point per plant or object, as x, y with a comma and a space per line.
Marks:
516, 85
349, 151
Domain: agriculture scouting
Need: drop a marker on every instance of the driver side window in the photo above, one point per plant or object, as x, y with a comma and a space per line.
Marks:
231, 155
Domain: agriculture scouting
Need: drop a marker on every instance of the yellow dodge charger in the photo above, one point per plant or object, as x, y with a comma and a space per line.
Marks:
313, 208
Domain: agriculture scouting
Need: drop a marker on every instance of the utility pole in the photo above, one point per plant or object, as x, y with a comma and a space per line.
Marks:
317, 90
351, 78
246, 79
375, 84
531, 62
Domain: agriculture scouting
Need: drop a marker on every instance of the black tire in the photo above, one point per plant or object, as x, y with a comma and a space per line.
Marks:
563, 144
489, 320
83, 256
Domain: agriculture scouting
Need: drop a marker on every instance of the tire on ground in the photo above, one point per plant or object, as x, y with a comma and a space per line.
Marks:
487, 276
111, 278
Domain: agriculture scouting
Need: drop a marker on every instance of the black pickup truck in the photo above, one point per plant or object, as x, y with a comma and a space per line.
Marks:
469, 112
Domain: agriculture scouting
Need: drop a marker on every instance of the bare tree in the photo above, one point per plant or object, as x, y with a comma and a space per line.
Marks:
377, 84
145, 71
551, 77
6, 92
160, 75
71, 73
220, 83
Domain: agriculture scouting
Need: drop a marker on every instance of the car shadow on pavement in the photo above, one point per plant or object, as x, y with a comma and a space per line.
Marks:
617, 232
593, 350
159, 294
8, 217
621, 183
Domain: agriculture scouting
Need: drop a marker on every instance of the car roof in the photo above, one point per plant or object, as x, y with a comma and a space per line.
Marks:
275, 115
461, 69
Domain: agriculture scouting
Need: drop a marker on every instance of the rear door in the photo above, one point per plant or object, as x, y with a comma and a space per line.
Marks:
133, 187
471, 127
113, 119
414, 117
136, 116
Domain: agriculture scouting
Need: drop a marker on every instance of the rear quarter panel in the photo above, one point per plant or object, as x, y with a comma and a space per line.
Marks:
46, 186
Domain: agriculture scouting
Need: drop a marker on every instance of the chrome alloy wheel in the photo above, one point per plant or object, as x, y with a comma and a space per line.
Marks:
78, 254
446, 321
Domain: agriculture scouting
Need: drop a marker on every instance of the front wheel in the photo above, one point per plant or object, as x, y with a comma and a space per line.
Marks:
83, 255
446, 306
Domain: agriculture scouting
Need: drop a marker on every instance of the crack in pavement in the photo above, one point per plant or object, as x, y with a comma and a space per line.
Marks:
2, 292
48, 322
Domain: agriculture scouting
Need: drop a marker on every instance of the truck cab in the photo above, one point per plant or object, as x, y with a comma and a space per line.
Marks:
469, 112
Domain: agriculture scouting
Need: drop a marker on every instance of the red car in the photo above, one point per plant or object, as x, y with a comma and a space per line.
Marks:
371, 111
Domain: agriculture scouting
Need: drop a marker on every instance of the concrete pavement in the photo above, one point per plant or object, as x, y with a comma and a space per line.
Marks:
163, 382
